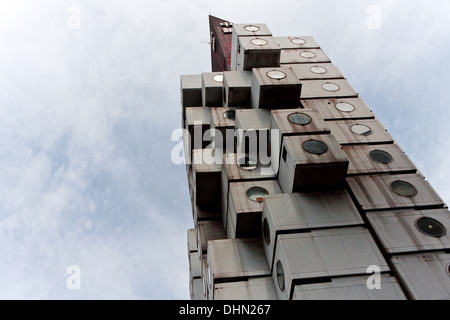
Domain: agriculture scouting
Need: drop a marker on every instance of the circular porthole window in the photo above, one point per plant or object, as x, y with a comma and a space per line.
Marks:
218, 78
318, 70
307, 54
403, 188
298, 41
431, 227
299, 118
230, 114
251, 28
345, 107
331, 87
258, 42
266, 231
361, 130
315, 147
257, 194
280, 276
247, 163
381, 156
276, 74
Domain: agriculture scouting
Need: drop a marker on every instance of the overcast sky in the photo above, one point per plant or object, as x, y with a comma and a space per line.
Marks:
90, 95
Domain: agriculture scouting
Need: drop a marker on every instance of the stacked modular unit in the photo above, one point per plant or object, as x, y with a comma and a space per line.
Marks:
298, 191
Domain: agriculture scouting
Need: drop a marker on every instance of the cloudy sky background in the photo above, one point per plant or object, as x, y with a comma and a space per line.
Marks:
86, 117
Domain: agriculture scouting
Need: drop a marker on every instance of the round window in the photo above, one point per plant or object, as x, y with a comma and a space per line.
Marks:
251, 28
299, 118
266, 231
332, 87
403, 188
230, 114
431, 227
257, 194
218, 78
307, 54
276, 74
318, 70
280, 275
298, 41
315, 147
258, 42
247, 163
345, 107
380, 156
361, 130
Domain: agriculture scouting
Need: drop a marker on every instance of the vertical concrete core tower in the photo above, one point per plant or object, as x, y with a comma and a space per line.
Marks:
297, 190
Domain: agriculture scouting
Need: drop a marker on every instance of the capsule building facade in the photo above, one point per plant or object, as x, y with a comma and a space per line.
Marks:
298, 191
